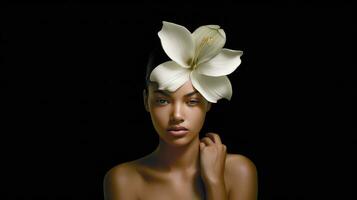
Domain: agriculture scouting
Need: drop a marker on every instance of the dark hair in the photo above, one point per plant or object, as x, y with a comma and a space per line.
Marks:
156, 57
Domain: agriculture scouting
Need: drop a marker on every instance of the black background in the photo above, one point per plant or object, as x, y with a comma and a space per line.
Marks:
71, 93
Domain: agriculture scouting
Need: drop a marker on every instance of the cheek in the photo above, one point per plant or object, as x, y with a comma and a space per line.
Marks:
197, 118
159, 117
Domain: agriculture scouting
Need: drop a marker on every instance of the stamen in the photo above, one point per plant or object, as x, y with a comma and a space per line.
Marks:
190, 62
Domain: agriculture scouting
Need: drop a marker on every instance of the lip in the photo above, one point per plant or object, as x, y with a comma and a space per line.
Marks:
177, 131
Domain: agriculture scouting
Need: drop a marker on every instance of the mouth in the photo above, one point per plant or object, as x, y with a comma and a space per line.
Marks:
177, 128
177, 131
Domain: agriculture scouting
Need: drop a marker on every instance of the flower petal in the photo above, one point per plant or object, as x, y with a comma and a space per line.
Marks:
177, 42
170, 76
209, 40
223, 64
212, 88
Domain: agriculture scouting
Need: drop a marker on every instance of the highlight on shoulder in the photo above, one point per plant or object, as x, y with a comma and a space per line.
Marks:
239, 162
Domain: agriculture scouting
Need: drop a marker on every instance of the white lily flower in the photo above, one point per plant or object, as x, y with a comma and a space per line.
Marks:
199, 57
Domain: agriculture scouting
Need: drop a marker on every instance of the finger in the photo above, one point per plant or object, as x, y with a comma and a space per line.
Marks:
202, 145
224, 148
207, 141
225, 152
215, 137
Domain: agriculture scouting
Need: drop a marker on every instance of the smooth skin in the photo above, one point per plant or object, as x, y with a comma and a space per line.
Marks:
182, 167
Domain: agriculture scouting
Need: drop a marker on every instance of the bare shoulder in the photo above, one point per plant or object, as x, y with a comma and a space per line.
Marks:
121, 182
123, 172
239, 164
241, 175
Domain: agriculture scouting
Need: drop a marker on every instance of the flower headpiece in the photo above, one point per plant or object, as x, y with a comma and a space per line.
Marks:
199, 57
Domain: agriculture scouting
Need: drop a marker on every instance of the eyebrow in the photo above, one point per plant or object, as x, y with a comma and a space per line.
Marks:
165, 93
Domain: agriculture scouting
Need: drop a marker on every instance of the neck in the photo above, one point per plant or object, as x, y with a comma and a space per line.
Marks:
183, 158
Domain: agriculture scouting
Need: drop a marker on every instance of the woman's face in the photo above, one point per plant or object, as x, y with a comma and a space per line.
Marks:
183, 109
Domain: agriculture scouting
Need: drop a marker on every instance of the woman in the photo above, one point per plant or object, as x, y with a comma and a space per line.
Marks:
179, 93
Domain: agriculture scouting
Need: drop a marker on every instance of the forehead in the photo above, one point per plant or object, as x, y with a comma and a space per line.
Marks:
181, 91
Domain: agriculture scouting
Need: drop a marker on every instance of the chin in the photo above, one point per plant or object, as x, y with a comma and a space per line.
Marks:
179, 141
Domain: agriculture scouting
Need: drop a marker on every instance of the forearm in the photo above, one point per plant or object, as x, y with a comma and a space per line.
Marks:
216, 191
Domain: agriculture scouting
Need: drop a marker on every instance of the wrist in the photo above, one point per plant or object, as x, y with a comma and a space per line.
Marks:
214, 182
215, 189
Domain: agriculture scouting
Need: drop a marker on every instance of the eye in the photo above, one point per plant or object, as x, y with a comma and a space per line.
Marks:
162, 101
193, 102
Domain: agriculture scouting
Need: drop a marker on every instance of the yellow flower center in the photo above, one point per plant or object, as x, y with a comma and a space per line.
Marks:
204, 42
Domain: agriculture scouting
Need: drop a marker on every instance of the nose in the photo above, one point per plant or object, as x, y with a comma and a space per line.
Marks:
177, 114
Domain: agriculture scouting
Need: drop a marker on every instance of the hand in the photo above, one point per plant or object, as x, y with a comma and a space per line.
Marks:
212, 158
